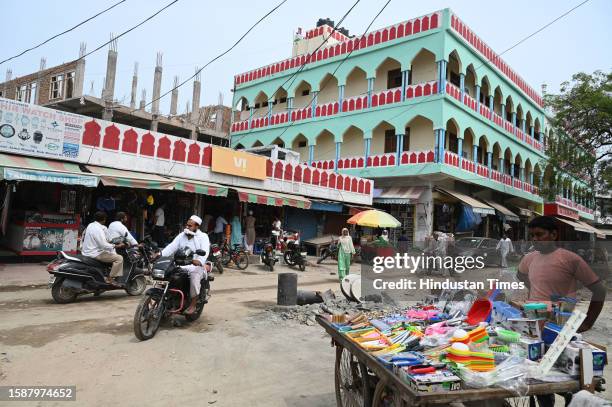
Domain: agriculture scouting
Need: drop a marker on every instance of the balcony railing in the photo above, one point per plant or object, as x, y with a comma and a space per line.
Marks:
569, 203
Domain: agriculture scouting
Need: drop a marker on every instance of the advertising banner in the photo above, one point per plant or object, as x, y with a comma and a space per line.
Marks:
34, 130
238, 163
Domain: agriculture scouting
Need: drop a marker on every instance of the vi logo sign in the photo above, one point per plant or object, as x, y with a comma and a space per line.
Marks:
239, 163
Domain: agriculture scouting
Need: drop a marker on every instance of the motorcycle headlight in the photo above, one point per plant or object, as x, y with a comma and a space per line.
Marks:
158, 273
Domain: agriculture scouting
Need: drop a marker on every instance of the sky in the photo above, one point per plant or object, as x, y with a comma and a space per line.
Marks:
190, 33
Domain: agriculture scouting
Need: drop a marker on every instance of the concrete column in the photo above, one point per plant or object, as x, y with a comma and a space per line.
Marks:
513, 171
532, 131
134, 86
399, 149
475, 154
195, 104
251, 111
523, 125
478, 98
340, 97
310, 154
514, 119
502, 169
174, 97
541, 181
405, 75
460, 150
313, 106
462, 85
39, 80
157, 78
503, 111
522, 174
143, 99
442, 145
490, 162
491, 104
338, 148
79, 73
111, 70
531, 176
370, 90
441, 65
436, 145
155, 122
368, 143
289, 104
270, 106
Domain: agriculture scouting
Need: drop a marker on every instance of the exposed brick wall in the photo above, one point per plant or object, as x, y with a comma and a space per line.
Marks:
9, 88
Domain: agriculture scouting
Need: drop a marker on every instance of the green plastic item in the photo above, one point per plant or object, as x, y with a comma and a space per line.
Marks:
534, 306
508, 336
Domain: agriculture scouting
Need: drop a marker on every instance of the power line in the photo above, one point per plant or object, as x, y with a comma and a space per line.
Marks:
337, 67
218, 56
63, 32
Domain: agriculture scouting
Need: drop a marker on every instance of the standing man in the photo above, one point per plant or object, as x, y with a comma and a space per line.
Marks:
193, 238
505, 247
551, 271
97, 246
219, 230
250, 231
118, 229
159, 225
276, 231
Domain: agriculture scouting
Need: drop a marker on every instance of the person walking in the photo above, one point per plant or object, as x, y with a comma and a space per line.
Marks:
250, 231
345, 252
505, 247
236, 233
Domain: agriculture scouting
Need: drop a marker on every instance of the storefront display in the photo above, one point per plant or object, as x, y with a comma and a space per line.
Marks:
35, 233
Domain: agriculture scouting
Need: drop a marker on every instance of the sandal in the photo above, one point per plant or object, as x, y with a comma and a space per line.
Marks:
112, 282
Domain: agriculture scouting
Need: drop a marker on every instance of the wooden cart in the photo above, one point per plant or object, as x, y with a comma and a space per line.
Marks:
362, 380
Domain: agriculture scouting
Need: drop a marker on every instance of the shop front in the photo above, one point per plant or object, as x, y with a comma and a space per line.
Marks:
401, 203
460, 214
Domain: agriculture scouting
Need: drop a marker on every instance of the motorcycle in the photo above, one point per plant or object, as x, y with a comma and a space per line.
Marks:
215, 251
268, 255
74, 275
331, 251
294, 256
170, 293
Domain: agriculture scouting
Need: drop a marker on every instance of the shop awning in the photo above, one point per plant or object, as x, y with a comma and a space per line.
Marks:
599, 233
112, 177
528, 213
577, 226
21, 168
199, 187
477, 206
272, 198
397, 195
510, 216
607, 232
355, 209
327, 206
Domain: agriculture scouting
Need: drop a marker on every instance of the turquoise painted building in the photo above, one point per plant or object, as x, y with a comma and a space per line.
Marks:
427, 110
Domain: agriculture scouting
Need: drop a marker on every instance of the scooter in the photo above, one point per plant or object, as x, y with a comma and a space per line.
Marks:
74, 275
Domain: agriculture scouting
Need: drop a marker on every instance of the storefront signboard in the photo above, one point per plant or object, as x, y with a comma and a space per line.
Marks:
227, 161
34, 130
556, 209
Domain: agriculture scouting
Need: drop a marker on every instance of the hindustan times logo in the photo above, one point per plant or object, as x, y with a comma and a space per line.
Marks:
410, 264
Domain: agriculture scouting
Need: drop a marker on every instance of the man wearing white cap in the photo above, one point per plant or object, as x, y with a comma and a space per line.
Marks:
193, 238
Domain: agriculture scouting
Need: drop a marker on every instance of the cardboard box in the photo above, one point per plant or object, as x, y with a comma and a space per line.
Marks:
440, 380
569, 361
534, 348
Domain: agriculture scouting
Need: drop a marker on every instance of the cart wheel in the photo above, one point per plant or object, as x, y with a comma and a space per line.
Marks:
386, 396
349, 380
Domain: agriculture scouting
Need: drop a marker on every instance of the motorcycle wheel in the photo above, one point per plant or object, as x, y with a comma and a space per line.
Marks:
302, 267
61, 294
324, 254
136, 286
219, 267
145, 322
241, 260
199, 307
271, 266
288, 260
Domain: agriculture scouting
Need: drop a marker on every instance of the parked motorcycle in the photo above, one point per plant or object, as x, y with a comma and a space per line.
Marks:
330, 251
74, 275
237, 255
170, 293
294, 256
269, 255
216, 254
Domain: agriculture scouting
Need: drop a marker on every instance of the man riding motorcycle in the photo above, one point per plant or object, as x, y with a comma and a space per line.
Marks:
193, 238
97, 246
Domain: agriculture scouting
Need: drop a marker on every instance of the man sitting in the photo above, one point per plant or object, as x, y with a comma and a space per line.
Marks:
193, 238
96, 245
118, 229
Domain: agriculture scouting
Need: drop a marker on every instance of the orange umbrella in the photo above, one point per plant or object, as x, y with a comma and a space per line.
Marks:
374, 218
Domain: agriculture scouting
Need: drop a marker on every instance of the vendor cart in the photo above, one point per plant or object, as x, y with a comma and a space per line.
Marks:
362, 380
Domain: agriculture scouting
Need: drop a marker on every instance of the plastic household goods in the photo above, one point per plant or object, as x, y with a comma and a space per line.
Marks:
479, 312
507, 336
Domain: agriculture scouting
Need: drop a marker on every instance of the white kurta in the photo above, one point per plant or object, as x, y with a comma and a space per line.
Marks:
505, 247
199, 242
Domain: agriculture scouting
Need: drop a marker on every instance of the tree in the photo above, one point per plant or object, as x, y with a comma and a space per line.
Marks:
583, 120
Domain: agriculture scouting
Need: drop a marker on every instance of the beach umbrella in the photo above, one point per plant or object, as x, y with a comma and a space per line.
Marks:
374, 218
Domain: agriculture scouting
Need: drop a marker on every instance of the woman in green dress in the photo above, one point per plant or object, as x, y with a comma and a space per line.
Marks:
345, 251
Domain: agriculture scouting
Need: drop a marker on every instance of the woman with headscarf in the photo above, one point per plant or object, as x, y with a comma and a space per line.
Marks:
345, 252
250, 231
236, 233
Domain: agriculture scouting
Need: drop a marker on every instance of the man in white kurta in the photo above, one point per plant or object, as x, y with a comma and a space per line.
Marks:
193, 238
505, 247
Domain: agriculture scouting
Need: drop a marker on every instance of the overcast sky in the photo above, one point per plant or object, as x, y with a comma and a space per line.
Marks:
192, 32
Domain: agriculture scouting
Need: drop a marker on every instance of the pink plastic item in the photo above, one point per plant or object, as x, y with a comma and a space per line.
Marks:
422, 314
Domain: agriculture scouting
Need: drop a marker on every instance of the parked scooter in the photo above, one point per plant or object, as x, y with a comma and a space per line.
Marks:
294, 256
74, 275
170, 293
269, 255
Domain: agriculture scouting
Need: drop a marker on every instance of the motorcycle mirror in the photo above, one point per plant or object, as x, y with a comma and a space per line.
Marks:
200, 252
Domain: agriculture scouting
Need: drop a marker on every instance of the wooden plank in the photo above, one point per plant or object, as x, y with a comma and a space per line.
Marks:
416, 398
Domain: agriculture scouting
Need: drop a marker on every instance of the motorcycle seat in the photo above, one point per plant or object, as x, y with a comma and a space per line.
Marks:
91, 261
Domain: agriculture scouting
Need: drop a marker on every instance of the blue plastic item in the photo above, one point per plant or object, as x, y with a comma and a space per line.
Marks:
550, 332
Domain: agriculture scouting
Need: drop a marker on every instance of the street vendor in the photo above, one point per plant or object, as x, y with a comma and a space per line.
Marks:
551, 271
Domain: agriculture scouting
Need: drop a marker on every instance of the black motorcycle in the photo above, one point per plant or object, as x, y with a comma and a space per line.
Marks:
216, 257
330, 251
294, 256
170, 293
74, 275
268, 255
